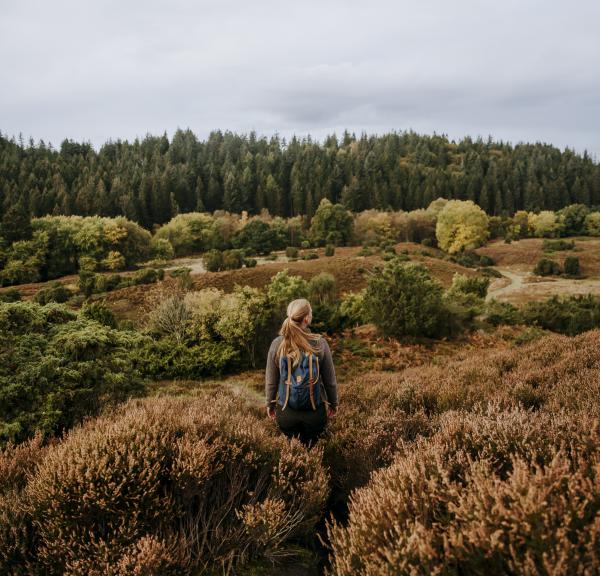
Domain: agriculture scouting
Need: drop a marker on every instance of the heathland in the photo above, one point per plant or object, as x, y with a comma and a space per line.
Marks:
133, 436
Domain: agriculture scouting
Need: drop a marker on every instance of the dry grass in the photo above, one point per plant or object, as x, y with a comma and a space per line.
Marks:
524, 254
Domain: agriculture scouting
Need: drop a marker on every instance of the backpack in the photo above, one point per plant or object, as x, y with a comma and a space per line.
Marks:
298, 385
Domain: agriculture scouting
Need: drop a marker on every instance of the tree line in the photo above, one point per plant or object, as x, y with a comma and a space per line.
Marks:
151, 180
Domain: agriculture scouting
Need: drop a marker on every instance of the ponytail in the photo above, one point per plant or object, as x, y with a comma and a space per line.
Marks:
295, 338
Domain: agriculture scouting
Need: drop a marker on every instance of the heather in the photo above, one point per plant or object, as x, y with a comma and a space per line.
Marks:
159, 486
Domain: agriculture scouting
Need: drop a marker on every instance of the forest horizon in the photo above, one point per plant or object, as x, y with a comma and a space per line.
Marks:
152, 179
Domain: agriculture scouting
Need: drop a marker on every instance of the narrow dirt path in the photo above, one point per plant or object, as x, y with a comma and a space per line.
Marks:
516, 283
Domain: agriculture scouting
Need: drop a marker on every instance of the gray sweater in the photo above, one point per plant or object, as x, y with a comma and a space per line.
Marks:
327, 380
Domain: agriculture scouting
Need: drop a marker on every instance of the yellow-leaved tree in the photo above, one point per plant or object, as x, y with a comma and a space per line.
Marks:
461, 225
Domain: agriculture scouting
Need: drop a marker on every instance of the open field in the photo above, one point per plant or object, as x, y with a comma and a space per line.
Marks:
517, 260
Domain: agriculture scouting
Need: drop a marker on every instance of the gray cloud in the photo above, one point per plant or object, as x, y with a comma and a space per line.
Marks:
518, 70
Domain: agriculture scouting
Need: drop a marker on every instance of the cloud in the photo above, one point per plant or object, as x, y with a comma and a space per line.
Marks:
518, 70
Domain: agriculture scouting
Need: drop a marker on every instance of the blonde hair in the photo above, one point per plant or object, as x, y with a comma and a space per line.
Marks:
295, 338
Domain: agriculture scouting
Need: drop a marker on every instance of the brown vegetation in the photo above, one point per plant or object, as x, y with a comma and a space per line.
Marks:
493, 464
162, 485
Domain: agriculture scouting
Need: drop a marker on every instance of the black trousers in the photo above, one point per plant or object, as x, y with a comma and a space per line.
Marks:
307, 425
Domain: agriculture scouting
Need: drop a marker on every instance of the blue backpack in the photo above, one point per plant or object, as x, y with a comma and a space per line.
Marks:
298, 385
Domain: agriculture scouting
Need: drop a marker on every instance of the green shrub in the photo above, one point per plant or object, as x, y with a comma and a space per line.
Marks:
462, 309
291, 252
161, 248
10, 295
258, 236
56, 292
233, 259
472, 259
327, 317
305, 244
497, 313
547, 267
310, 256
490, 272
558, 245
322, 288
329, 250
114, 260
365, 251
58, 370
352, 309
284, 288
170, 358
100, 312
213, 260
568, 315
571, 266
470, 285
250, 262
403, 300
147, 276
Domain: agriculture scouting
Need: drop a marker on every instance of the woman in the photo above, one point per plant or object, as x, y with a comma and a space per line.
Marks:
301, 387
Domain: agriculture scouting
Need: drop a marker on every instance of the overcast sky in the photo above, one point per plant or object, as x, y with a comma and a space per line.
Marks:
519, 70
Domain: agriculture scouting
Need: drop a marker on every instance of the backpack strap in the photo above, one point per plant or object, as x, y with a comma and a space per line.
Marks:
311, 382
288, 383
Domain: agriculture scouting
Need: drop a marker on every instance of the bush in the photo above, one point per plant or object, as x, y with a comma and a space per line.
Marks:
56, 292
568, 315
213, 260
100, 312
571, 267
352, 309
472, 259
322, 288
170, 318
291, 252
546, 224
403, 300
470, 285
490, 272
59, 369
170, 358
547, 267
196, 491
233, 259
161, 248
558, 245
497, 313
327, 318
310, 256
573, 219
284, 288
250, 262
10, 295
114, 260
441, 492
216, 261
329, 250
258, 236
305, 244
147, 276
